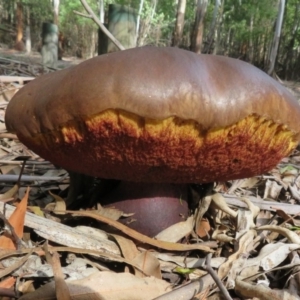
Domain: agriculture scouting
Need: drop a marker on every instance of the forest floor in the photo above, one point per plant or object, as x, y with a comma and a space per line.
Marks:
36, 58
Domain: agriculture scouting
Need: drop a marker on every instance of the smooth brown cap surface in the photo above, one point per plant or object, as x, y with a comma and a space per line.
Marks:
149, 97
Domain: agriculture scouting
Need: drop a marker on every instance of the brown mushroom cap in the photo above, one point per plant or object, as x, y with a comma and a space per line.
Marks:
158, 115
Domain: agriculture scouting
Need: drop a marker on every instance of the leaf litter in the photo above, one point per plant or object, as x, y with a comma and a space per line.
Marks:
243, 237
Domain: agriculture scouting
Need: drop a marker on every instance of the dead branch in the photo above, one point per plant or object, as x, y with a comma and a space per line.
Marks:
102, 27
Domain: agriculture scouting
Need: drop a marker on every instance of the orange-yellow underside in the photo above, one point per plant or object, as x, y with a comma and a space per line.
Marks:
121, 145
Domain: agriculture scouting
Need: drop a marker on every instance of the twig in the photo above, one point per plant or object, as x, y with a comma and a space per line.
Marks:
8, 136
14, 178
21, 171
215, 277
81, 14
102, 27
7, 293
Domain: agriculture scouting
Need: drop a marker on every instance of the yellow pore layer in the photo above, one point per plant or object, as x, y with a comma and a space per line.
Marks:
122, 145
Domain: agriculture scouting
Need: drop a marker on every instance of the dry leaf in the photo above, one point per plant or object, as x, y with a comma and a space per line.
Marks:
177, 231
269, 257
148, 264
203, 228
110, 212
60, 204
244, 242
292, 236
10, 193
16, 220
8, 283
221, 204
128, 247
272, 190
106, 286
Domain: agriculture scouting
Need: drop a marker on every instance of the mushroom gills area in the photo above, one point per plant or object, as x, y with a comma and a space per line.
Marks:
121, 145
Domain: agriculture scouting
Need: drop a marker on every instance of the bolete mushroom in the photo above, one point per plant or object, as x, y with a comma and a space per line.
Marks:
158, 115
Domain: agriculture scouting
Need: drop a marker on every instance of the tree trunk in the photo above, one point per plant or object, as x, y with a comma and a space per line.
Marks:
251, 50
146, 25
178, 30
212, 30
101, 11
277, 34
289, 58
197, 33
56, 11
27, 32
219, 28
19, 45
138, 21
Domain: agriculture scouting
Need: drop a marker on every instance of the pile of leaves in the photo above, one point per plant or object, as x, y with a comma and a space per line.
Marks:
241, 242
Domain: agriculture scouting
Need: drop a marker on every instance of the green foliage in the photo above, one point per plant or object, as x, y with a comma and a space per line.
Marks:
242, 26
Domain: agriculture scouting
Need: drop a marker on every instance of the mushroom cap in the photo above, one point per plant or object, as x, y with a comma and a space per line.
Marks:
158, 115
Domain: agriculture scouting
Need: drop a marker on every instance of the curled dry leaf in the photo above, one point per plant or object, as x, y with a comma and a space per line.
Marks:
253, 208
16, 220
220, 203
292, 236
203, 206
60, 204
177, 231
220, 235
111, 212
203, 228
10, 193
269, 257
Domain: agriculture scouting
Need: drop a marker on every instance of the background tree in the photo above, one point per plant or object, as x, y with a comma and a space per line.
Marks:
197, 33
19, 20
240, 29
178, 30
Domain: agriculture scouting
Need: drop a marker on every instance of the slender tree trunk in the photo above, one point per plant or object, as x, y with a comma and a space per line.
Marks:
219, 28
146, 26
288, 61
27, 32
101, 11
212, 30
197, 33
56, 11
277, 34
138, 21
178, 30
19, 45
251, 50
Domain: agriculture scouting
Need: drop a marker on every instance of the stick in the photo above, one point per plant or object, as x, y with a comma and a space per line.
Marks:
102, 27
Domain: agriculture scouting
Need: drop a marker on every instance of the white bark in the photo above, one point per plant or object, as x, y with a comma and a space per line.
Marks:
276, 38
56, 11
101, 11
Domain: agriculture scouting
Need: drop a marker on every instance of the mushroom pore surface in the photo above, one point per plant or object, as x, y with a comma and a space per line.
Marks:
158, 115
